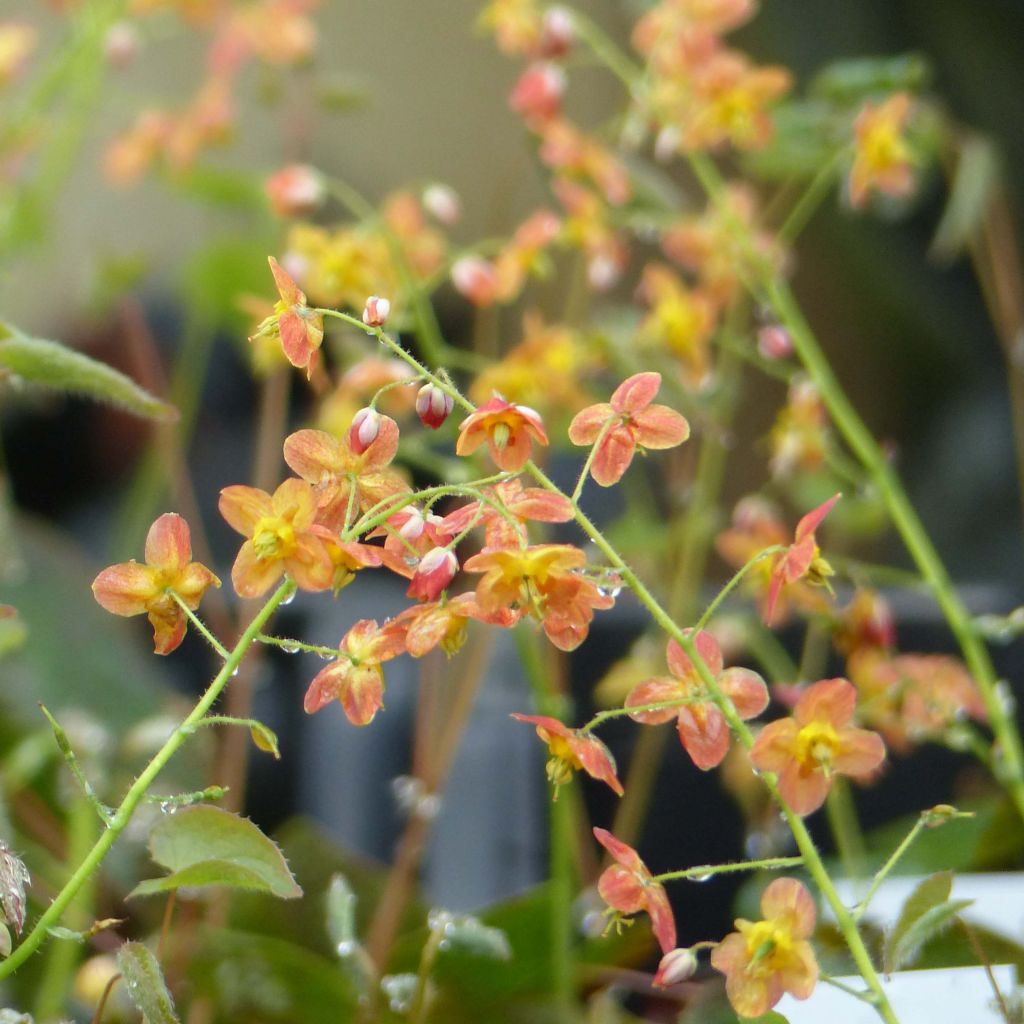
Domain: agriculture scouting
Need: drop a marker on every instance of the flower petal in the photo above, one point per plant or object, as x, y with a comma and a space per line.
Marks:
587, 423
613, 456
830, 700
659, 690
253, 576
659, 427
787, 899
168, 543
127, 589
679, 663
243, 507
314, 455
813, 519
746, 689
705, 735
860, 753
636, 393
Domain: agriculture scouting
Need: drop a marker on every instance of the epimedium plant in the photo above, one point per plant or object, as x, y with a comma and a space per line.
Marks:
477, 545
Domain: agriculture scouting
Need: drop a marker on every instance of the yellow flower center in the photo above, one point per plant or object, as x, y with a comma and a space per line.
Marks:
769, 946
273, 537
816, 744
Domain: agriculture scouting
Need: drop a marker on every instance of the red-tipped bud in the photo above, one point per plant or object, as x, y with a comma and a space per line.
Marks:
537, 96
433, 406
475, 279
442, 203
676, 965
121, 44
376, 311
774, 342
436, 570
364, 430
295, 191
557, 34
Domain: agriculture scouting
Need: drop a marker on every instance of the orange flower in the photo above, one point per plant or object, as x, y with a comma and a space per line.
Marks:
509, 431
282, 538
299, 329
629, 887
802, 559
703, 730
572, 750
817, 742
131, 589
334, 470
443, 623
627, 423
767, 958
882, 157
543, 581
800, 435
913, 698
521, 505
356, 677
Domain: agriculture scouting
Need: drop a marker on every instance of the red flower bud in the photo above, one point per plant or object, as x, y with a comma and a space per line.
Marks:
557, 34
121, 44
295, 191
433, 406
537, 96
676, 965
774, 342
475, 279
376, 311
364, 430
442, 203
436, 570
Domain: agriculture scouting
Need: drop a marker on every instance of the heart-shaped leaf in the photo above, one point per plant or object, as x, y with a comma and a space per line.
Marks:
206, 845
927, 912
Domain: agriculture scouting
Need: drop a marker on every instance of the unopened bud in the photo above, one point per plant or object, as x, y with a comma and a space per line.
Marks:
475, 279
121, 44
364, 430
774, 342
295, 191
436, 570
442, 203
376, 311
433, 406
537, 96
676, 965
557, 34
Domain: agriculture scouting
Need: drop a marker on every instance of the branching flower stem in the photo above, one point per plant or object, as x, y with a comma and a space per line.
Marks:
805, 844
136, 794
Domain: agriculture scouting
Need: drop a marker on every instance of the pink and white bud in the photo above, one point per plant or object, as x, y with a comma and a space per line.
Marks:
774, 342
296, 190
442, 203
414, 525
537, 96
121, 45
557, 34
676, 965
603, 270
376, 311
475, 279
436, 570
433, 406
364, 430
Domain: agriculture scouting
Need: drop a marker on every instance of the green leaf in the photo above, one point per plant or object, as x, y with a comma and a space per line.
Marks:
859, 78
802, 143
223, 188
976, 175
771, 1017
206, 845
52, 365
12, 630
145, 984
928, 911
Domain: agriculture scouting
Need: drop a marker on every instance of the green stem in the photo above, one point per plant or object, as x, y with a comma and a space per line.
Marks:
294, 646
812, 859
845, 828
560, 853
736, 579
909, 525
810, 200
602, 434
705, 871
62, 956
884, 871
201, 626
138, 789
